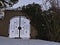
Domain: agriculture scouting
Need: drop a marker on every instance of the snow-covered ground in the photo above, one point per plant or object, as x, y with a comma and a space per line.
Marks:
8, 41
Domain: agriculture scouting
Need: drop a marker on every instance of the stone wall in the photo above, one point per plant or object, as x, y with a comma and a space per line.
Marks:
4, 23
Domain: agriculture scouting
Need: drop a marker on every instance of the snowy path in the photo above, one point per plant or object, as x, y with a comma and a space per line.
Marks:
7, 41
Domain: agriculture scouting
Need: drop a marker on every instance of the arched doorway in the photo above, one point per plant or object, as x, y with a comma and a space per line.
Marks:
19, 27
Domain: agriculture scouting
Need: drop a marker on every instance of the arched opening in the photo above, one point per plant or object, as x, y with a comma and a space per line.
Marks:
19, 27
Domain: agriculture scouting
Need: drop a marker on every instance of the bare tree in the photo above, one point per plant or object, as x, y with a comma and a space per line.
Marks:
10, 2
53, 3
